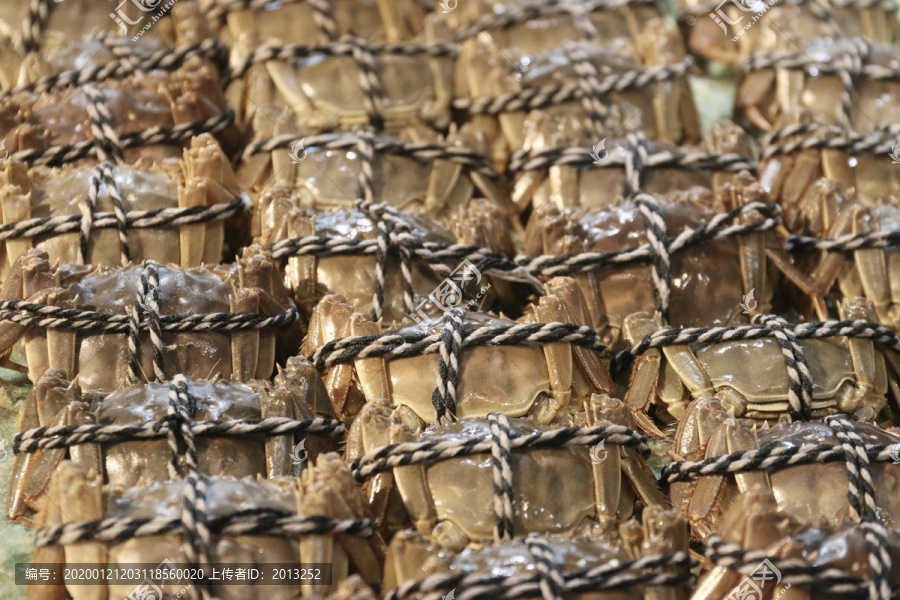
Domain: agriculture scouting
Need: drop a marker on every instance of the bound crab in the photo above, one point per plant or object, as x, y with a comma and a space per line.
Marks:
419, 172
615, 289
344, 83
847, 375
57, 126
561, 376
33, 200
547, 175
381, 20
813, 494
721, 33
130, 459
51, 30
846, 93
604, 484
505, 71
252, 522
512, 568
117, 300
835, 562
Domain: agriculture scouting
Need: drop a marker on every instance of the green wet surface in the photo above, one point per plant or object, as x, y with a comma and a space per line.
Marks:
17, 541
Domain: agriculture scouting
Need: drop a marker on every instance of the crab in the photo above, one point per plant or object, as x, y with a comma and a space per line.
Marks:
848, 375
568, 186
281, 216
513, 59
156, 98
203, 178
756, 522
325, 178
720, 33
67, 22
560, 375
298, 394
815, 494
412, 557
612, 292
376, 20
99, 361
601, 491
326, 490
325, 91
765, 94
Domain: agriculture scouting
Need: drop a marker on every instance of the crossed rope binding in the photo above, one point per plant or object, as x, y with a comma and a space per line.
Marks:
194, 522
550, 581
857, 457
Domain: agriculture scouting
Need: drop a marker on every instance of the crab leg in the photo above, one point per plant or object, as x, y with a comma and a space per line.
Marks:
80, 499
868, 402
331, 320
370, 429
559, 362
245, 344
49, 554
300, 273
277, 403
410, 480
371, 372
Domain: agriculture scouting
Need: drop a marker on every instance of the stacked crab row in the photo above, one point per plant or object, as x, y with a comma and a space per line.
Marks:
380, 382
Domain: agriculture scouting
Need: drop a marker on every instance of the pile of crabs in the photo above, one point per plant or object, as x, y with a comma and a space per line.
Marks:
456, 301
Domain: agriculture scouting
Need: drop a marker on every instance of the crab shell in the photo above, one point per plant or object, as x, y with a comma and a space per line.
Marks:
508, 60
326, 490
598, 494
156, 98
756, 522
765, 95
203, 178
99, 361
559, 376
330, 179
566, 186
831, 193
323, 92
288, 22
140, 462
707, 38
280, 216
815, 495
412, 556
712, 270
751, 379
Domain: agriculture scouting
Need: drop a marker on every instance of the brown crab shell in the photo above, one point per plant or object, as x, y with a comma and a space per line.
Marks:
100, 361
772, 93
814, 495
288, 22
157, 98
711, 270
43, 192
709, 40
142, 462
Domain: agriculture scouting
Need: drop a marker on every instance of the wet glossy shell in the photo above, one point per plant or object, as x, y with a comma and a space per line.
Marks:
816, 495
538, 477
142, 462
756, 368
